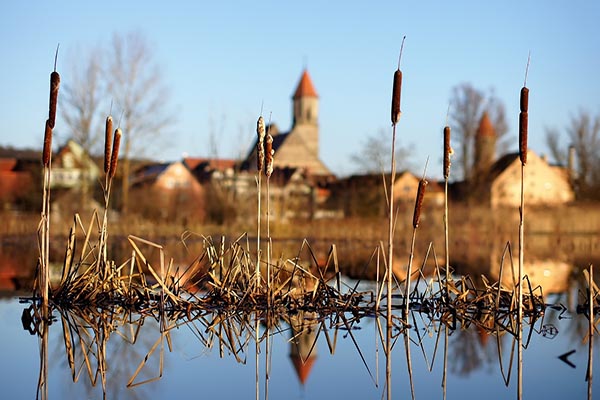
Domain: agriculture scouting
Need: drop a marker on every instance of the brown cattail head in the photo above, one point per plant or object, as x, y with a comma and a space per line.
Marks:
419, 202
524, 99
269, 153
260, 152
108, 143
54, 84
115, 153
523, 119
396, 96
46, 154
447, 152
260, 128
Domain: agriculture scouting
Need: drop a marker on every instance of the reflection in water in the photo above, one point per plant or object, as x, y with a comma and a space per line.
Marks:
216, 298
303, 343
111, 349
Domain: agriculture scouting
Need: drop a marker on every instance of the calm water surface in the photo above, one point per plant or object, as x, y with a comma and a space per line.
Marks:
193, 370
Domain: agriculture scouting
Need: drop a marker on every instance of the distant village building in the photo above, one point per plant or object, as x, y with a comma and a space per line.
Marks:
72, 168
298, 148
168, 191
74, 178
544, 184
15, 183
498, 182
364, 195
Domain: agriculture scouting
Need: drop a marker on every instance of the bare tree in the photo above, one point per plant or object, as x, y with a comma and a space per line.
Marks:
375, 155
467, 105
82, 99
583, 134
126, 74
134, 81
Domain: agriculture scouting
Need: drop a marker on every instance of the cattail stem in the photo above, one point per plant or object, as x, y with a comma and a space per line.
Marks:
447, 154
395, 117
591, 327
389, 274
260, 160
523, 122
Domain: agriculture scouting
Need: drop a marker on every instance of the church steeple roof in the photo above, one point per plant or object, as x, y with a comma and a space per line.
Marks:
485, 126
305, 87
303, 367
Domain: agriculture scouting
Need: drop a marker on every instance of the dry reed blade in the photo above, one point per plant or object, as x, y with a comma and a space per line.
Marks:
131, 383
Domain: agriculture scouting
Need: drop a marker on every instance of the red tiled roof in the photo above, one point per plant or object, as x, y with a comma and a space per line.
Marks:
219, 164
485, 126
7, 164
305, 87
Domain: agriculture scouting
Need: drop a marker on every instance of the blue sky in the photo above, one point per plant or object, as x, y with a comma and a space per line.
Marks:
221, 60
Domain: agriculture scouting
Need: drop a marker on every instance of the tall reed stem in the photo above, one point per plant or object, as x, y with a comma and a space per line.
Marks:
592, 317
395, 117
520, 288
388, 338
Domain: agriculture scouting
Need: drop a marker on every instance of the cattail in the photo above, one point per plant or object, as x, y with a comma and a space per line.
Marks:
54, 84
260, 152
524, 103
47, 144
108, 143
447, 152
419, 202
269, 153
396, 96
397, 89
115, 153
523, 119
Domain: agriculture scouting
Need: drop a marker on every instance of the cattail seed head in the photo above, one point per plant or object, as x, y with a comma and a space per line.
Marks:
419, 202
47, 152
108, 143
269, 154
447, 152
54, 84
260, 152
397, 88
260, 128
115, 153
523, 120
524, 103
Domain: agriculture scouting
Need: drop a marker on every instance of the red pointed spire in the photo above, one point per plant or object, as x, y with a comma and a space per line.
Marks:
303, 368
485, 126
305, 87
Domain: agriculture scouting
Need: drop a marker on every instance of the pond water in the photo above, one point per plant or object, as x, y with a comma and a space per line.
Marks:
333, 368
211, 351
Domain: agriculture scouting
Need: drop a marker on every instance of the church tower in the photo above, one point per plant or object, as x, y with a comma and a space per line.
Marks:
485, 147
306, 112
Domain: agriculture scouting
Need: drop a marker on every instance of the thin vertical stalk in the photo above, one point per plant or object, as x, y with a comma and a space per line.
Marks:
446, 245
395, 117
591, 302
523, 122
520, 290
388, 338
447, 152
258, 218
257, 350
